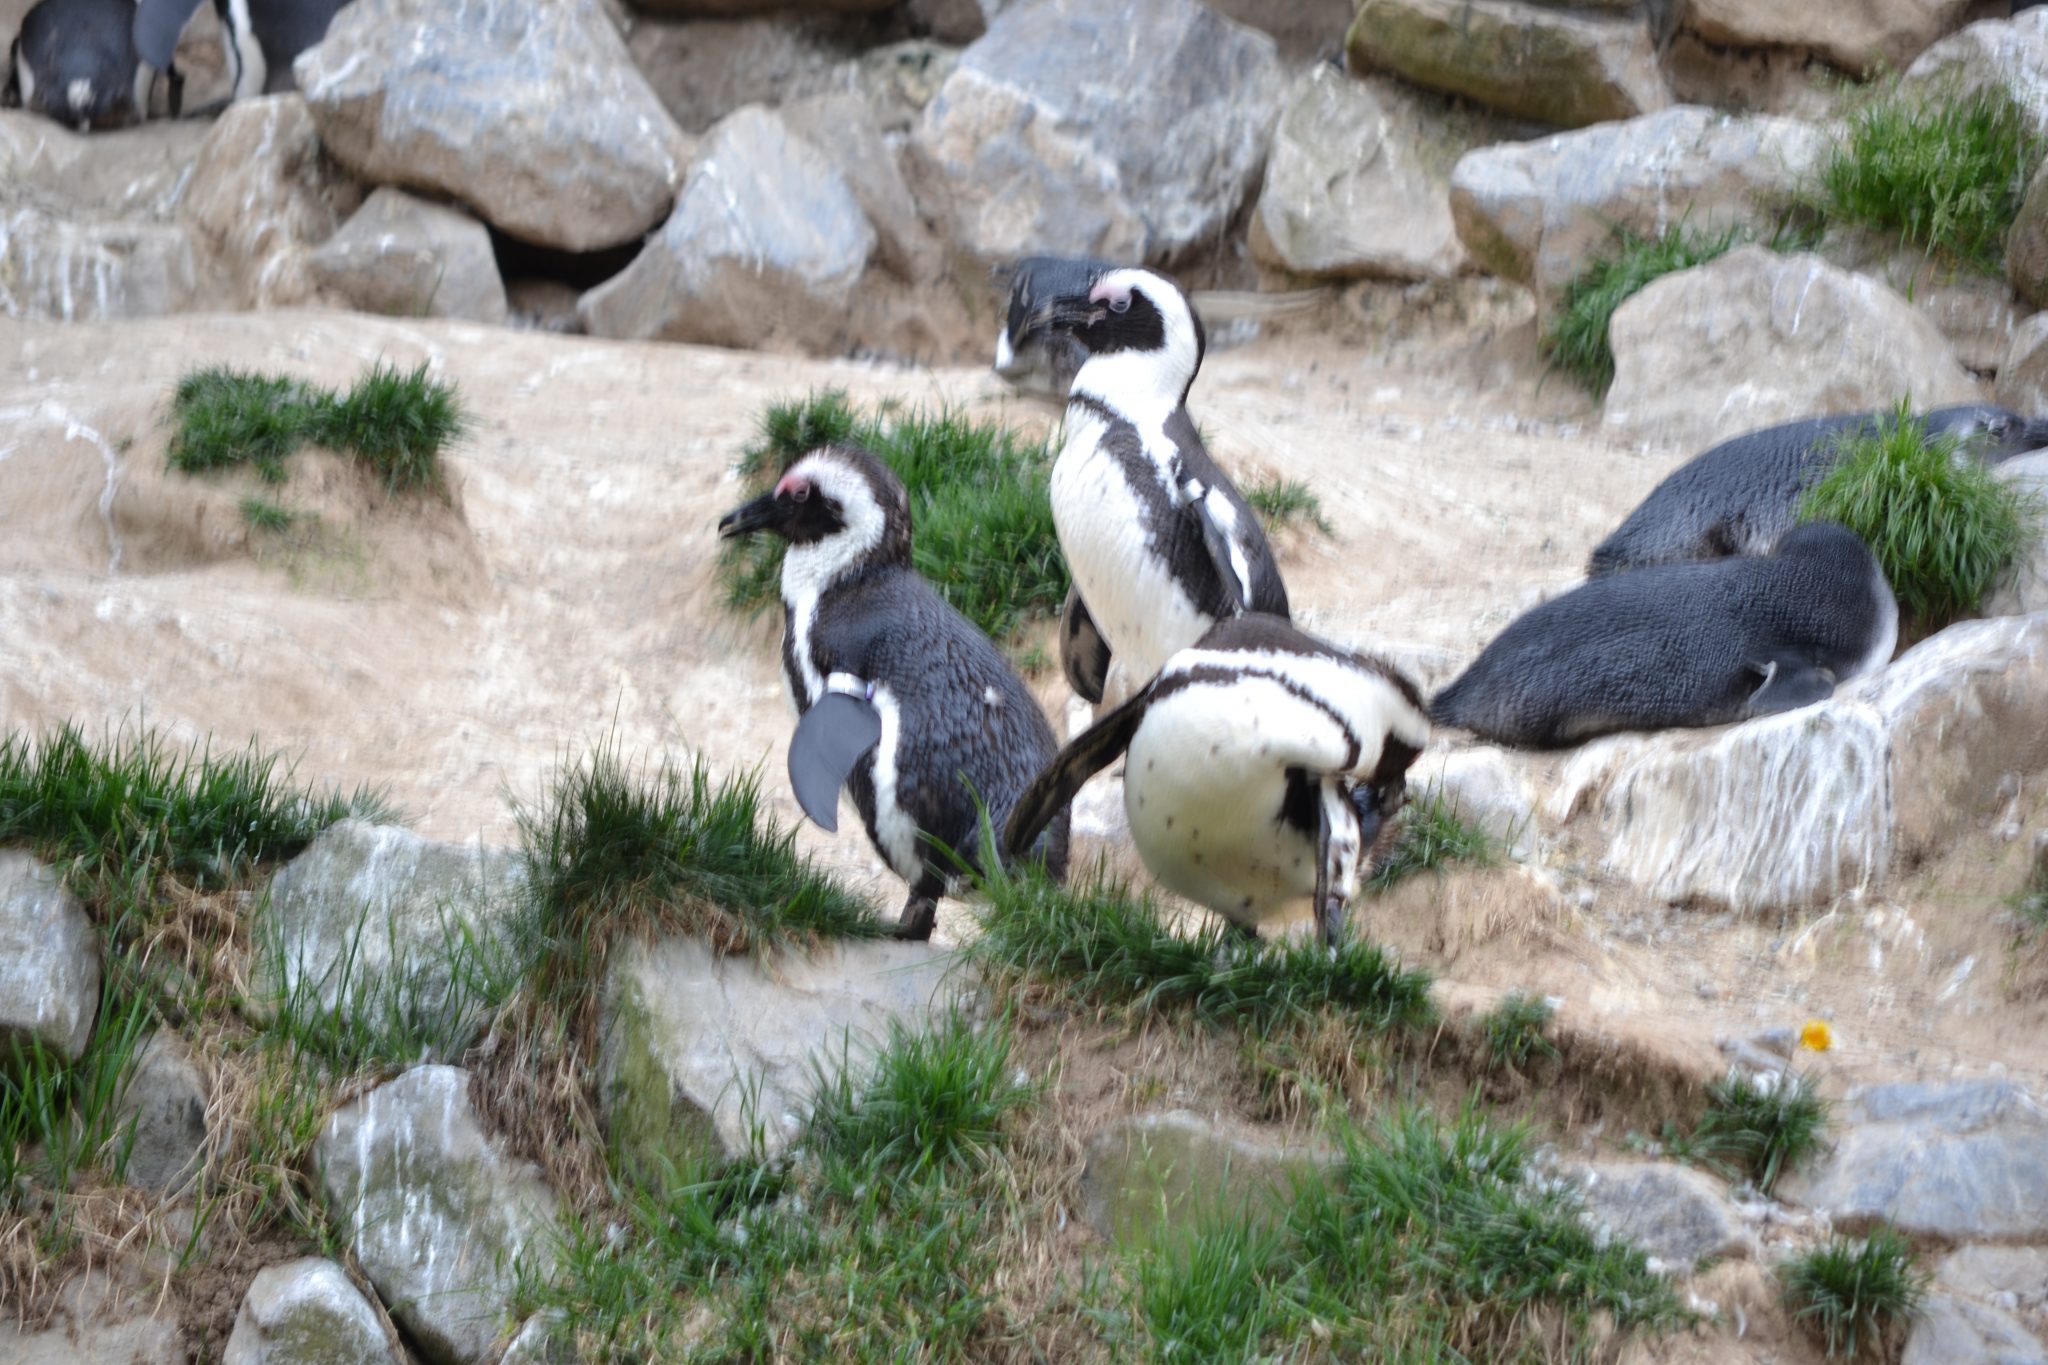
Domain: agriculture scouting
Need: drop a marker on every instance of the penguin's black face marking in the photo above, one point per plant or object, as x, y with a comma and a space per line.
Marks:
797, 510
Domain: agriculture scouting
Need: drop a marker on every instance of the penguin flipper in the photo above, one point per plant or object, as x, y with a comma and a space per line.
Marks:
157, 26
829, 740
1227, 548
1788, 684
1084, 654
1050, 791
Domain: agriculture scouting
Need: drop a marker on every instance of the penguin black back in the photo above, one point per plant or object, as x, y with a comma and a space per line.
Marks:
74, 61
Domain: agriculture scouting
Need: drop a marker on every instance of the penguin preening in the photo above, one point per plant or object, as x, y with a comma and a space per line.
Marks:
1262, 768
75, 61
1742, 496
1160, 543
1679, 645
1030, 352
899, 698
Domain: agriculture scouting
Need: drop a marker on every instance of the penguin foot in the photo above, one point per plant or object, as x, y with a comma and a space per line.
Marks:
1330, 921
920, 917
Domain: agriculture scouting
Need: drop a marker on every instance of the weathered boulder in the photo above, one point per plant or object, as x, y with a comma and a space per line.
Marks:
1960, 1161
2026, 588
1791, 810
165, 1101
99, 1322
2023, 374
1948, 1329
952, 21
132, 174
542, 1340
439, 1217
2026, 246
723, 9
764, 249
1755, 338
1539, 212
533, 115
64, 271
843, 128
1487, 787
306, 1312
1678, 1215
49, 960
1860, 36
262, 196
1129, 131
704, 69
2011, 53
1556, 66
378, 917
1346, 193
1152, 1171
406, 257
898, 80
2015, 1277
700, 1046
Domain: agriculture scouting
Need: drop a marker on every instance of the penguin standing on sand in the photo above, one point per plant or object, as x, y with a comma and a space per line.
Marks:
75, 61
1262, 766
1161, 544
1742, 496
898, 697
1683, 645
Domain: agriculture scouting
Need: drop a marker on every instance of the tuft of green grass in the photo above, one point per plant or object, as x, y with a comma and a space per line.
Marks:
1282, 502
1946, 171
1759, 1127
261, 514
1944, 528
1577, 341
980, 511
1107, 945
1434, 835
1206, 1292
59, 1118
395, 421
1513, 1030
1853, 1295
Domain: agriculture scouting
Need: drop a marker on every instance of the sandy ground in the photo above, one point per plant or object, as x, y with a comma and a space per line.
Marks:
454, 654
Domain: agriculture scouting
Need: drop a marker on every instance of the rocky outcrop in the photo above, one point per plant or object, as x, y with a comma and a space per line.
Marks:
1948, 1329
1539, 212
1558, 66
690, 9
1129, 131
533, 115
93, 272
306, 1312
438, 1216
1992, 52
405, 257
700, 1049
2026, 245
1346, 193
2025, 588
1859, 36
163, 1106
704, 69
1756, 338
49, 960
1151, 1172
2023, 374
843, 128
1672, 1213
764, 249
1791, 810
1485, 786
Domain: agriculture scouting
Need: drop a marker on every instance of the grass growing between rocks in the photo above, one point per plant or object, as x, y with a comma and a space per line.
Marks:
1855, 1296
1944, 528
1577, 341
1513, 1031
397, 422
980, 512
1434, 835
1282, 502
1946, 171
1759, 1127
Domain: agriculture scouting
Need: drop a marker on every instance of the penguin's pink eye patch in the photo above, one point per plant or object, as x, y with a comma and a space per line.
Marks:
1117, 296
795, 485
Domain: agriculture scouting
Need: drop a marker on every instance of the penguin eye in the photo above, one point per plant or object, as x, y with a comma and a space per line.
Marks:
1120, 304
800, 492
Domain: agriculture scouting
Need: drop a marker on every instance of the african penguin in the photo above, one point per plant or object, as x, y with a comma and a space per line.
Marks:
1262, 767
898, 698
262, 37
1741, 496
1683, 645
1030, 352
1160, 543
75, 61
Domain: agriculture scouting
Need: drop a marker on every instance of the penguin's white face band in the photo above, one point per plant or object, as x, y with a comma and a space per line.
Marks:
1144, 344
849, 520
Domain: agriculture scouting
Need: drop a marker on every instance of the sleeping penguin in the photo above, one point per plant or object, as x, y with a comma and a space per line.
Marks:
1262, 768
1683, 645
899, 699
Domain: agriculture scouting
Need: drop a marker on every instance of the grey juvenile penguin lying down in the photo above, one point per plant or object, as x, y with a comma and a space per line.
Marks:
1683, 645
899, 698
1741, 496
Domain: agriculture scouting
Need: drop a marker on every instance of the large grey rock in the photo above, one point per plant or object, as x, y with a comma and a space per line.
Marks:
131, 174
63, 271
765, 248
1485, 786
704, 69
533, 115
98, 1322
1127, 131
165, 1100
378, 917
49, 960
2014, 1277
699, 1046
2023, 373
1860, 36
2012, 54
1673, 1213
439, 1217
1150, 1172
843, 127
262, 195
2026, 245
1539, 212
1346, 192
1949, 1330
1791, 810
1562, 67
1755, 338
306, 1312
2025, 589
406, 257
1960, 1161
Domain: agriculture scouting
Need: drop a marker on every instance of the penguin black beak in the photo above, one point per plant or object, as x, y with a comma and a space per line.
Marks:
765, 513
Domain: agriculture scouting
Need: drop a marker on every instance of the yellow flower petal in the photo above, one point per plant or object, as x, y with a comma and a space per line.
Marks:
1817, 1035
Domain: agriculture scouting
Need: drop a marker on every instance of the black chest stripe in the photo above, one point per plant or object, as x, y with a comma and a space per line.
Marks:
1217, 675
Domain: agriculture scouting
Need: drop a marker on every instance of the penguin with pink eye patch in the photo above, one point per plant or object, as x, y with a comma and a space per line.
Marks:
900, 700
1161, 544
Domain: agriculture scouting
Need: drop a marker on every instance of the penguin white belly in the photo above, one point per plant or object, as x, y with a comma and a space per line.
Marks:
1140, 608
1203, 793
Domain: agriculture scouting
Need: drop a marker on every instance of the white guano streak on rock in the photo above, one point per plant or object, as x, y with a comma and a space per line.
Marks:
76, 428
